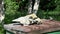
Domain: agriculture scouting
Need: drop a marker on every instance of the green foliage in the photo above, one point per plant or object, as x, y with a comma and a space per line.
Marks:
10, 10
48, 5
45, 9
13, 9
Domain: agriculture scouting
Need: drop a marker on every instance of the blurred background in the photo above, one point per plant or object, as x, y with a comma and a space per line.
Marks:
18, 8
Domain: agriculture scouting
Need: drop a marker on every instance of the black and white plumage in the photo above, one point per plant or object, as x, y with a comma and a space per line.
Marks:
22, 20
27, 20
37, 21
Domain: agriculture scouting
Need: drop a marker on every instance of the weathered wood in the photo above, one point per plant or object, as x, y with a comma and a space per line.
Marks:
33, 8
0, 1
1, 10
30, 7
36, 5
46, 26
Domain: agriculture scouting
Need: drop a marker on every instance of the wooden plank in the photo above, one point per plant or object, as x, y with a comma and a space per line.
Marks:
47, 26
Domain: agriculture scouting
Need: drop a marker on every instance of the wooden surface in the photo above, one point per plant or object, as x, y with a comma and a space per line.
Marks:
46, 26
